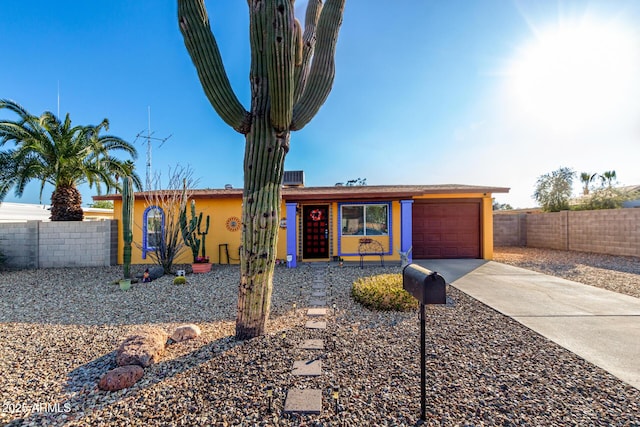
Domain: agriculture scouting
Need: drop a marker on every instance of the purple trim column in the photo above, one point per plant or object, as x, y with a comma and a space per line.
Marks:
406, 226
292, 241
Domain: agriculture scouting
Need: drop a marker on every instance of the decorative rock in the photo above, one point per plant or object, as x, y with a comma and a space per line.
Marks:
121, 377
142, 348
156, 272
185, 332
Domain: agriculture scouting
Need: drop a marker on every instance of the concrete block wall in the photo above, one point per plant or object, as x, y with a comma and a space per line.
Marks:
610, 231
19, 244
614, 231
37, 244
510, 230
548, 230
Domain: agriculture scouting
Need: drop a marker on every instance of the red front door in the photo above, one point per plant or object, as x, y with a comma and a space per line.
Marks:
315, 233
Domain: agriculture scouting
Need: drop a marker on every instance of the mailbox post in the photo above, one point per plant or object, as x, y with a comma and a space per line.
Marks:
428, 287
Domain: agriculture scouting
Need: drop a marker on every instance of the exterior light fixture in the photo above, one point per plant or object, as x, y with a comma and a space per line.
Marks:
335, 392
269, 390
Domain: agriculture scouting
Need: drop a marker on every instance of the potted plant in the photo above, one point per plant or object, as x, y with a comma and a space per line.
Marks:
191, 230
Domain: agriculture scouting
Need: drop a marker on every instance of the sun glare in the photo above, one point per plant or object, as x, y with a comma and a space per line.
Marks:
575, 73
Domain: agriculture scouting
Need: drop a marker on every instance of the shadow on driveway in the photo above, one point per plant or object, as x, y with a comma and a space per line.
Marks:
451, 269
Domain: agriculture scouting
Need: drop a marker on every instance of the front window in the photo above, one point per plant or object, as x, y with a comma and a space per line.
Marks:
365, 220
152, 233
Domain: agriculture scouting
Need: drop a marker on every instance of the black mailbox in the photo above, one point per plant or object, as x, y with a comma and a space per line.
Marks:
428, 287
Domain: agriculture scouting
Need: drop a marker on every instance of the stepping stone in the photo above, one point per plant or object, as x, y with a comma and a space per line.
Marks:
317, 312
315, 324
307, 368
312, 345
319, 294
318, 302
318, 287
307, 401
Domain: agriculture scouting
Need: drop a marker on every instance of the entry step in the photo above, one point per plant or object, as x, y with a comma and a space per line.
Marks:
307, 401
317, 312
307, 368
312, 345
315, 324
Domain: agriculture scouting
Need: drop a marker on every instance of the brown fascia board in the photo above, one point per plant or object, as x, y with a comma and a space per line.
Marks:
381, 192
368, 192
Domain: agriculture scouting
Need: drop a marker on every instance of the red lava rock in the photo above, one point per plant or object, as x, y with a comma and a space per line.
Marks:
186, 332
142, 348
121, 377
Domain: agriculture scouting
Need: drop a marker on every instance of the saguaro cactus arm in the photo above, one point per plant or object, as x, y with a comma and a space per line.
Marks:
322, 72
203, 49
280, 61
308, 45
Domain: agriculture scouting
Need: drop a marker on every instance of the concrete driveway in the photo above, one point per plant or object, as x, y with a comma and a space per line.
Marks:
601, 326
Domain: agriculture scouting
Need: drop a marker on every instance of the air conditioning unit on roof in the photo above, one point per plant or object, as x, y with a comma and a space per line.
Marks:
293, 179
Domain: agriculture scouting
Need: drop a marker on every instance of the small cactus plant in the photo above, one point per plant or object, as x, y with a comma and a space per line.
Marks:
127, 223
180, 280
191, 229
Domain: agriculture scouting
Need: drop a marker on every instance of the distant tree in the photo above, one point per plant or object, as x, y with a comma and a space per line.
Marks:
52, 151
553, 190
102, 204
586, 179
501, 206
353, 182
356, 182
606, 196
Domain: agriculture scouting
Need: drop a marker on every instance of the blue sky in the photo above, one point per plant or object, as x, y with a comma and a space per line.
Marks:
491, 92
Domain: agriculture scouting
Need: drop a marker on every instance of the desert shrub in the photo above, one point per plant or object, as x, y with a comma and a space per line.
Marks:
383, 292
180, 280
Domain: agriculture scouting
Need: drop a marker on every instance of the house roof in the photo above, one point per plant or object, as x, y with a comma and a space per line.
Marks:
365, 192
21, 212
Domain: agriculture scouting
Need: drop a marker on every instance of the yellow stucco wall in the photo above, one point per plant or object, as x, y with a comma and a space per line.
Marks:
222, 209
219, 210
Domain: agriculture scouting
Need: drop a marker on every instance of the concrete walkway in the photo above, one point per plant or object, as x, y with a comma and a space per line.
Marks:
601, 326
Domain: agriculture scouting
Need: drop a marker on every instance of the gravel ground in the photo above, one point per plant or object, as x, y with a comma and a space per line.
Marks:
60, 328
615, 273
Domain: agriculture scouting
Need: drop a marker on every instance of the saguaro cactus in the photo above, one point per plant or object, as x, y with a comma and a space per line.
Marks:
127, 223
291, 76
191, 229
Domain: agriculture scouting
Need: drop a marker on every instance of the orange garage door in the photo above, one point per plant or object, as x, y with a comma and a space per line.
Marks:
446, 229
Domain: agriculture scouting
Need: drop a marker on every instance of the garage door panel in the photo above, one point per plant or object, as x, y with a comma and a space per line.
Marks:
446, 229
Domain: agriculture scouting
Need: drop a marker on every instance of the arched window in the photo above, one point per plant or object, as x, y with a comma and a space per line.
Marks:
153, 225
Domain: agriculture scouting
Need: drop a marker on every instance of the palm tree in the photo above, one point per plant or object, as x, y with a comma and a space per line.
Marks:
52, 151
587, 178
608, 178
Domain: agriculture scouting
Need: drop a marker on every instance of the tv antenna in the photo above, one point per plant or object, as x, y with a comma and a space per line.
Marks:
149, 138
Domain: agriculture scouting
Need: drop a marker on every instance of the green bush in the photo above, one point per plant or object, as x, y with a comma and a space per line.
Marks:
383, 292
180, 280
